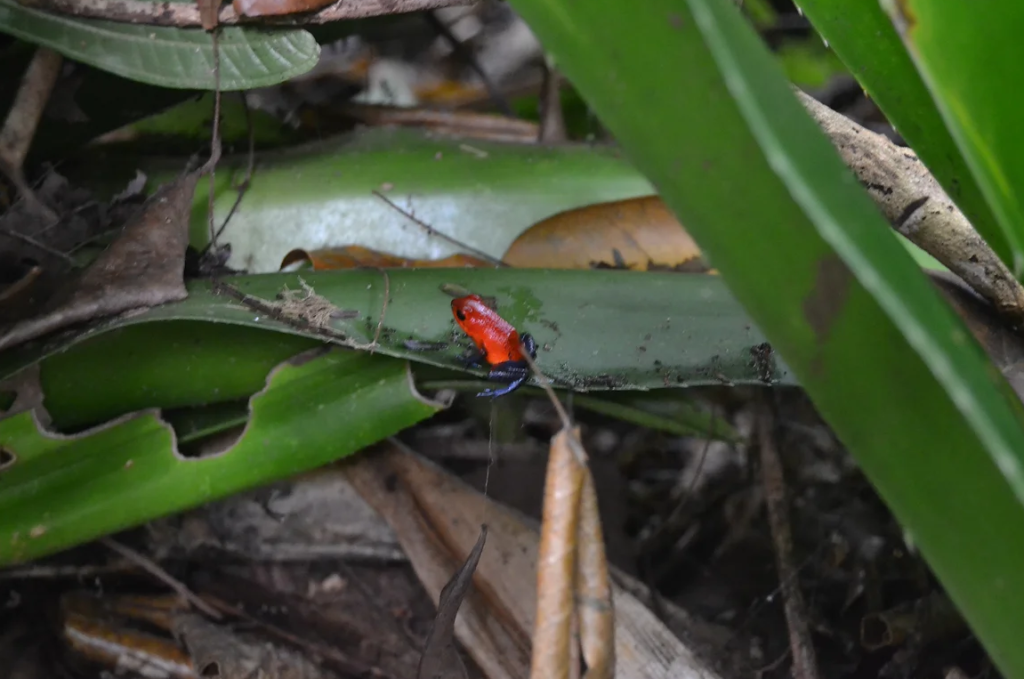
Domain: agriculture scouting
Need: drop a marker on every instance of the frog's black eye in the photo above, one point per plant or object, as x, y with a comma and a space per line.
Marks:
461, 316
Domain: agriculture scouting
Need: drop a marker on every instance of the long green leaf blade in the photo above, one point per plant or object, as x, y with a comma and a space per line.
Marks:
62, 491
596, 330
887, 363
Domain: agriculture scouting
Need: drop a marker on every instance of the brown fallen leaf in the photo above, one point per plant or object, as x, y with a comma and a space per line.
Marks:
357, 256
142, 268
436, 516
637, 233
219, 653
441, 659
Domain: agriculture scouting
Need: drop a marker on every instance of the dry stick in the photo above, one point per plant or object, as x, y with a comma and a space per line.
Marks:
159, 573
215, 147
552, 120
243, 187
467, 56
431, 231
35, 243
22, 120
805, 664
918, 208
187, 15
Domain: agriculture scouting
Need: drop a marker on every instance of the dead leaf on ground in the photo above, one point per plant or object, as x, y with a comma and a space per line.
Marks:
441, 659
356, 256
436, 516
219, 653
142, 268
637, 233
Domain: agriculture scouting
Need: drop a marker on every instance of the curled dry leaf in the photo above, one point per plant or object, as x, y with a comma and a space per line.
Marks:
356, 257
556, 563
144, 267
441, 659
637, 233
435, 517
572, 574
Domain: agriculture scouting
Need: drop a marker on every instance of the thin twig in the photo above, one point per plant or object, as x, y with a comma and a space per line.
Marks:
552, 120
243, 187
29, 103
151, 567
37, 244
431, 231
215, 146
805, 665
383, 311
467, 56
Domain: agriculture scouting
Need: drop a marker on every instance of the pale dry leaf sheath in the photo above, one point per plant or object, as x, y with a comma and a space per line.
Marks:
593, 588
917, 207
556, 564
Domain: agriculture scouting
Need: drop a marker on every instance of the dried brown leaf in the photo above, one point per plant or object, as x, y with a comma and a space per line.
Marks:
142, 268
435, 517
219, 653
593, 589
441, 659
556, 565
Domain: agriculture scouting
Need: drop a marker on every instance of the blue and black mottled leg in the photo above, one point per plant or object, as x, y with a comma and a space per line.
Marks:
472, 358
513, 373
530, 344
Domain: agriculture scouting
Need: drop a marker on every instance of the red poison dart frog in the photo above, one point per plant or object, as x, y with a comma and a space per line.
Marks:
497, 343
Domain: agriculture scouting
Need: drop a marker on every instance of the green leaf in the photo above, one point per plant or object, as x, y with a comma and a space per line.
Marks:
63, 491
483, 194
480, 193
169, 57
893, 370
864, 38
963, 54
596, 330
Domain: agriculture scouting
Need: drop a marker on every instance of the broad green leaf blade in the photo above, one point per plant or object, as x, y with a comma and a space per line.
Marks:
864, 38
160, 365
483, 194
888, 364
596, 330
62, 491
963, 55
168, 57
